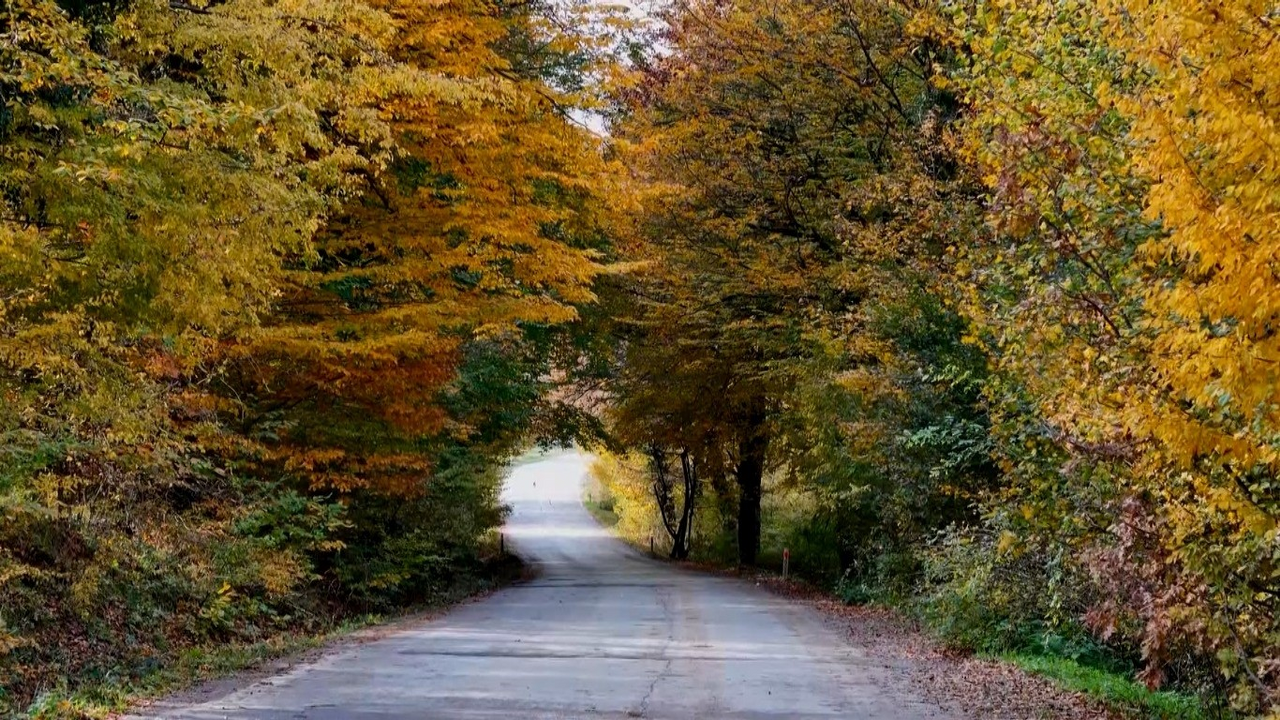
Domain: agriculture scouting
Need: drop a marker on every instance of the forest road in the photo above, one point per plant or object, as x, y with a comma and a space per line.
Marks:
602, 632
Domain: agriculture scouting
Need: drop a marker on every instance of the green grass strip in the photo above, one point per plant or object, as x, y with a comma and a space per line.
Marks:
1117, 691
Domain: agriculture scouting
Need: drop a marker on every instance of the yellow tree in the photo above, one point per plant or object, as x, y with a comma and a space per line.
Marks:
252, 248
1211, 151
1128, 293
481, 220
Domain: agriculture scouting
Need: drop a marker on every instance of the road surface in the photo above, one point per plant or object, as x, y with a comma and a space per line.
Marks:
603, 632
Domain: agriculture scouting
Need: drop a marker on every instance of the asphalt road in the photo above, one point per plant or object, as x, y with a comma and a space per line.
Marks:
603, 632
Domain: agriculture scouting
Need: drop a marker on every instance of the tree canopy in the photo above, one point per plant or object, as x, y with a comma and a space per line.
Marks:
971, 304
986, 287
276, 288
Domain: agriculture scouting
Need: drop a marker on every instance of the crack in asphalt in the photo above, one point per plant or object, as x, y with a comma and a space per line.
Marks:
664, 601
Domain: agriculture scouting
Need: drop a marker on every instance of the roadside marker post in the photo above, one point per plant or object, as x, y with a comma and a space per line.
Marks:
786, 562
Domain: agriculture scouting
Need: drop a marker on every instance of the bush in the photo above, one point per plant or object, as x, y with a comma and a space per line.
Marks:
980, 596
132, 578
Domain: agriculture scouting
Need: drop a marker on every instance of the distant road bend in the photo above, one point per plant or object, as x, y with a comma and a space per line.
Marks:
603, 632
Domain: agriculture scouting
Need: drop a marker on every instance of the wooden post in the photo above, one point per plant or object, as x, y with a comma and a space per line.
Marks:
652, 553
502, 544
786, 563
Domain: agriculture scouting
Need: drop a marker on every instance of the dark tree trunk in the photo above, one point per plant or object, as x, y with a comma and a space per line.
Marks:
680, 541
750, 474
679, 528
683, 540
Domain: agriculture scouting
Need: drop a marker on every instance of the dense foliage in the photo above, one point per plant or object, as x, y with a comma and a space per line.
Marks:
984, 295
276, 290
972, 304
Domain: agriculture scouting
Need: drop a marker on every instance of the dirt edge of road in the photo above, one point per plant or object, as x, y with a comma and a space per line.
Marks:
513, 571
962, 684
968, 686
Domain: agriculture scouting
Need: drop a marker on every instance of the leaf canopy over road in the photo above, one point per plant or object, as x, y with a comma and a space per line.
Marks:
971, 303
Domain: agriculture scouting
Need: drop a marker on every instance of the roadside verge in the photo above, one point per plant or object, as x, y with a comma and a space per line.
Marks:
202, 673
966, 685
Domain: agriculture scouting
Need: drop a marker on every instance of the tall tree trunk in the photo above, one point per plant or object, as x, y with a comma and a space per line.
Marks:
679, 529
680, 541
683, 544
750, 474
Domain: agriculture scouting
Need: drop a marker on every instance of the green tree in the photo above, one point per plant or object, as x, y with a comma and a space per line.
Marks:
792, 177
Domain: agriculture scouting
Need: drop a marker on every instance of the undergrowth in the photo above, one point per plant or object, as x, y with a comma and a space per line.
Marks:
120, 688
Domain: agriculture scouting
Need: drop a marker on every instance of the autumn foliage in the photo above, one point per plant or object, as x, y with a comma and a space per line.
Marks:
275, 288
990, 290
972, 304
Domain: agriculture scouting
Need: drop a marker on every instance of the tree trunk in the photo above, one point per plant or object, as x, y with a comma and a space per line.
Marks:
684, 535
680, 541
750, 474
679, 530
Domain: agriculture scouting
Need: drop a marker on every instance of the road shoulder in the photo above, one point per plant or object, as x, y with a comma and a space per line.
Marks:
963, 685
193, 686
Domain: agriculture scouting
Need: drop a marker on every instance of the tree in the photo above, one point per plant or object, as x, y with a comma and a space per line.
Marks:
788, 180
1130, 310
254, 260
676, 503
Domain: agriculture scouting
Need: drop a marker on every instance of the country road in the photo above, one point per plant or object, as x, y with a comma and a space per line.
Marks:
603, 632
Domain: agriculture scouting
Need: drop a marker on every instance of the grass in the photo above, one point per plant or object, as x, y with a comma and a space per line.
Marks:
1117, 691
603, 515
